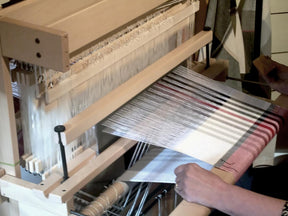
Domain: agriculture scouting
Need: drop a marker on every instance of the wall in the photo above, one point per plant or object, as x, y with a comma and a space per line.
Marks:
279, 28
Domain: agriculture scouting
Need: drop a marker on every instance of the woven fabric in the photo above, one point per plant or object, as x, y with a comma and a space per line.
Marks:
202, 118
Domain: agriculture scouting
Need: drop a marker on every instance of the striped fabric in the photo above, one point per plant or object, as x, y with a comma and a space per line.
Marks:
189, 113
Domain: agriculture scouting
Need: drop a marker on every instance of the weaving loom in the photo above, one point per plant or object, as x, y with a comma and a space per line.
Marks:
70, 69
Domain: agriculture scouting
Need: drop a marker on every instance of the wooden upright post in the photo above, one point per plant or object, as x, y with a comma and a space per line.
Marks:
9, 155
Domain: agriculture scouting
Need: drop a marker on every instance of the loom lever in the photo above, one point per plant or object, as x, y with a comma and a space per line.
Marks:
59, 129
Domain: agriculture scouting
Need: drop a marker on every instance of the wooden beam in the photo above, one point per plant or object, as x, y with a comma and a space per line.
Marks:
20, 190
82, 20
218, 69
115, 99
34, 44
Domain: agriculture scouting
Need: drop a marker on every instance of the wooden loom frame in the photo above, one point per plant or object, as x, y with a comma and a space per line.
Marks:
60, 35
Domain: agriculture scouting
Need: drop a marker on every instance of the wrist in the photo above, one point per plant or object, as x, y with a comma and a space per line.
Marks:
222, 196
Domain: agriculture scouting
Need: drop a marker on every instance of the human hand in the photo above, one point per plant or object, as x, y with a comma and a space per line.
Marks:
198, 185
274, 73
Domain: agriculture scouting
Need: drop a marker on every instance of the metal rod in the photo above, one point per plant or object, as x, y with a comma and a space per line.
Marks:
247, 81
207, 50
144, 197
258, 28
135, 199
159, 198
59, 129
76, 213
207, 57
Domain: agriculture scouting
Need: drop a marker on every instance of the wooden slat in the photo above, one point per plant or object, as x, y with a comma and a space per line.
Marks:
34, 44
112, 101
66, 190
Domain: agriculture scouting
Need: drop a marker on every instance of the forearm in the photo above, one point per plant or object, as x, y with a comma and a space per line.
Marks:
237, 201
198, 185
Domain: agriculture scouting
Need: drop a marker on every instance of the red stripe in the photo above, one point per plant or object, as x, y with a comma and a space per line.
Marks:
261, 124
239, 161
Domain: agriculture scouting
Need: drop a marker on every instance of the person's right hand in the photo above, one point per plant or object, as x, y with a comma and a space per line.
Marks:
198, 185
276, 78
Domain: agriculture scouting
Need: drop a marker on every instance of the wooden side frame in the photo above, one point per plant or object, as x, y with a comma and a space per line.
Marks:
9, 155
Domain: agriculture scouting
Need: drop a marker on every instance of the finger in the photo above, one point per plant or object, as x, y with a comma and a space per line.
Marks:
177, 188
179, 169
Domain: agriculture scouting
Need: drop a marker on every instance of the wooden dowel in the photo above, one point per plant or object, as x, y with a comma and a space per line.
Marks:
111, 195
